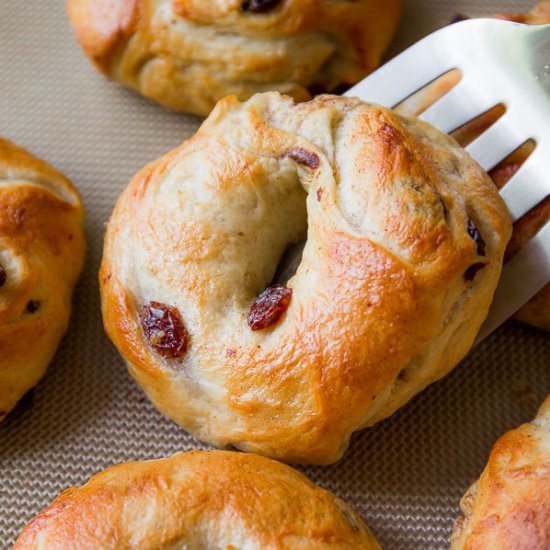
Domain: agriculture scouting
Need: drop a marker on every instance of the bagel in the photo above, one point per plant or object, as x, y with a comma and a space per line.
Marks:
188, 54
199, 499
404, 233
41, 256
509, 506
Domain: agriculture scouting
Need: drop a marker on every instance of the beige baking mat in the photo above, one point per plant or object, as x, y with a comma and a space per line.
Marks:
405, 476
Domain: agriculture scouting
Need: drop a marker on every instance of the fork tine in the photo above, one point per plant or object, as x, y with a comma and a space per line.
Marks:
529, 269
529, 185
457, 107
496, 143
403, 75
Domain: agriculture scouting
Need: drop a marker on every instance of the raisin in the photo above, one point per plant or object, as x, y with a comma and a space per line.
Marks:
472, 271
476, 236
269, 306
301, 156
33, 306
259, 6
164, 329
3, 276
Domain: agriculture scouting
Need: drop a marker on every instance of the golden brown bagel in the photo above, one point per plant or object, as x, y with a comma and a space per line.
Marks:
200, 499
508, 508
405, 237
41, 256
188, 54
537, 311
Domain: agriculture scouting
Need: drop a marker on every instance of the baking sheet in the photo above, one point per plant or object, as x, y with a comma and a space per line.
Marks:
405, 476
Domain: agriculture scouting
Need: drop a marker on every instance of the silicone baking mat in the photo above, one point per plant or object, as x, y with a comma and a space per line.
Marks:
405, 476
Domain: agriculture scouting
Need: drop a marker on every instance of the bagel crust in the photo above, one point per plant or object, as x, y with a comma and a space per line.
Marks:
199, 499
188, 54
41, 256
509, 506
404, 242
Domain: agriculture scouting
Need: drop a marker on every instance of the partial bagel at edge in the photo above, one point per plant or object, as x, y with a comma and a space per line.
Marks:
188, 54
199, 499
41, 256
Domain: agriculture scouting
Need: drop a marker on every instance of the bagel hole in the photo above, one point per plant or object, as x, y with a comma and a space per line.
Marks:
288, 264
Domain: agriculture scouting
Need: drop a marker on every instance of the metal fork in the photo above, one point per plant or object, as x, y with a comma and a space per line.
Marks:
501, 63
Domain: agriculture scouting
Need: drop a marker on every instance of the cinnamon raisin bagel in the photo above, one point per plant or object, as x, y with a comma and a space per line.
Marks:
509, 506
188, 54
404, 234
200, 499
41, 256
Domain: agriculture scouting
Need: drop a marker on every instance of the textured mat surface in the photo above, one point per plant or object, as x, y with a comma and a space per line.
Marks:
405, 476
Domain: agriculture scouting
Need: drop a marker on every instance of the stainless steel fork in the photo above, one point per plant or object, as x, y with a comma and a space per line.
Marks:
501, 63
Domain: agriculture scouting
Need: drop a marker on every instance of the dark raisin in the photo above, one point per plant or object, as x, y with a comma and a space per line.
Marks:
319, 194
476, 236
259, 6
269, 306
301, 156
3, 276
458, 18
164, 329
33, 306
472, 271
